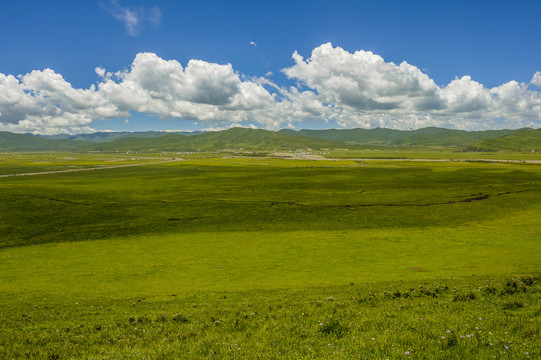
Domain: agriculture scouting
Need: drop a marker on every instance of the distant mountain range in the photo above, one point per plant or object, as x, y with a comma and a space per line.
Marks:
264, 140
232, 139
23, 142
105, 136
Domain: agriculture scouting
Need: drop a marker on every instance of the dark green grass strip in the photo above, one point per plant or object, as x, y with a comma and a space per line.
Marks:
445, 319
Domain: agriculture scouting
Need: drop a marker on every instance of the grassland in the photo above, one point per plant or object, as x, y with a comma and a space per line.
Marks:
524, 139
269, 258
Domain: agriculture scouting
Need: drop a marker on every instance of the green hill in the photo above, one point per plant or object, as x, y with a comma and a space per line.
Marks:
430, 136
23, 142
285, 140
520, 140
232, 139
376, 136
447, 137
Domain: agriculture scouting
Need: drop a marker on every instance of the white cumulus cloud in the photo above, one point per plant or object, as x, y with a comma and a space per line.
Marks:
43, 102
200, 91
357, 89
364, 81
366, 91
536, 79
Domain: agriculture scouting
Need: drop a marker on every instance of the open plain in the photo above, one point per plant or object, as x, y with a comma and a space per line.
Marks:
264, 257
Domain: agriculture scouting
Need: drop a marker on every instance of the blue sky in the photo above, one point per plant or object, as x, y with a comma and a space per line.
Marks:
470, 64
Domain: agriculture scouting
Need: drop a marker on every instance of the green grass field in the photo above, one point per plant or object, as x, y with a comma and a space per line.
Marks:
269, 258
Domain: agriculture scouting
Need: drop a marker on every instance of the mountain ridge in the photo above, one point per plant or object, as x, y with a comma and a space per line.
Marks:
285, 139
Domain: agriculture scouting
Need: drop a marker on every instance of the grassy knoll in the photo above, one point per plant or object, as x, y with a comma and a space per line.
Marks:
524, 139
271, 258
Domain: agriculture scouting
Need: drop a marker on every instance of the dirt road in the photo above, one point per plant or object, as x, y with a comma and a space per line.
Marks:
90, 169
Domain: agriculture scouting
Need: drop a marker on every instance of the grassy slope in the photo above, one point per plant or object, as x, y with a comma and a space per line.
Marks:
422, 137
353, 136
200, 255
524, 139
236, 138
149, 266
446, 137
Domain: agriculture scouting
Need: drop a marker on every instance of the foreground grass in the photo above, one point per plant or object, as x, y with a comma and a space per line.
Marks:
449, 319
425, 293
